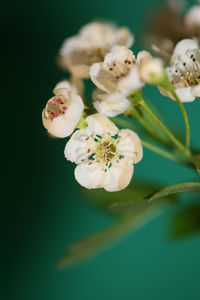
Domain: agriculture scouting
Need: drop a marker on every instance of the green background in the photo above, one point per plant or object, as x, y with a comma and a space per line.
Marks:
42, 209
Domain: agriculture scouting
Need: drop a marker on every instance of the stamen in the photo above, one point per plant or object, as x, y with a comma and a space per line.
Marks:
56, 106
105, 150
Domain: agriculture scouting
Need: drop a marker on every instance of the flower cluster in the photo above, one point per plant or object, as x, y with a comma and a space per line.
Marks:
105, 156
91, 44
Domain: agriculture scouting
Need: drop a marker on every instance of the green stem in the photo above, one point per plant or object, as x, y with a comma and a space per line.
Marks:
166, 84
168, 133
162, 152
137, 115
185, 117
125, 123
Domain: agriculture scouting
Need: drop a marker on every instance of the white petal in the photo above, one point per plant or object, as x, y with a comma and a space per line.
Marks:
58, 127
102, 79
111, 110
183, 46
73, 112
119, 176
72, 57
119, 54
143, 55
74, 85
124, 37
192, 18
64, 84
45, 121
130, 145
185, 94
77, 147
99, 124
62, 92
110, 105
105, 75
131, 82
196, 91
90, 176
69, 45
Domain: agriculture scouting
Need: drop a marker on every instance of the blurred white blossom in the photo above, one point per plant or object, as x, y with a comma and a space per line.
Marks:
192, 19
91, 45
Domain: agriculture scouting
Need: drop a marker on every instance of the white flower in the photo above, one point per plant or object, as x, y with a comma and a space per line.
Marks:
63, 111
184, 70
105, 155
91, 44
151, 69
110, 105
116, 77
192, 18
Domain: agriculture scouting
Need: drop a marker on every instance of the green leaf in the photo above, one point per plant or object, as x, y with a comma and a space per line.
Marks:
186, 222
173, 189
99, 241
132, 213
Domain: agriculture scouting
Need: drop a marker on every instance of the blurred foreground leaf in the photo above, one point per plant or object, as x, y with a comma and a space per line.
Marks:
186, 222
131, 212
128, 220
99, 241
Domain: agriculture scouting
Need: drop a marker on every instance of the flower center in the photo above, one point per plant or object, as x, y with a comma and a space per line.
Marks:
120, 70
105, 151
56, 106
187, 74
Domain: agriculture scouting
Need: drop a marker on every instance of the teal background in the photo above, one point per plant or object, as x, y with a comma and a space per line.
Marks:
42, 209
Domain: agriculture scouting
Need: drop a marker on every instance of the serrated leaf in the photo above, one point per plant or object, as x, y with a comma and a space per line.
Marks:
173, 189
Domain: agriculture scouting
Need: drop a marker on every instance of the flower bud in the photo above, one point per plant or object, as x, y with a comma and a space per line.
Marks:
151, 69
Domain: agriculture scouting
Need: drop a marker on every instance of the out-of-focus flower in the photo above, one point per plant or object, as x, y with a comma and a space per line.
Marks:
91, 45
105, 155
192, 19
174, 26
63, 111
116, 77
151, 69
184, 70
170, 30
